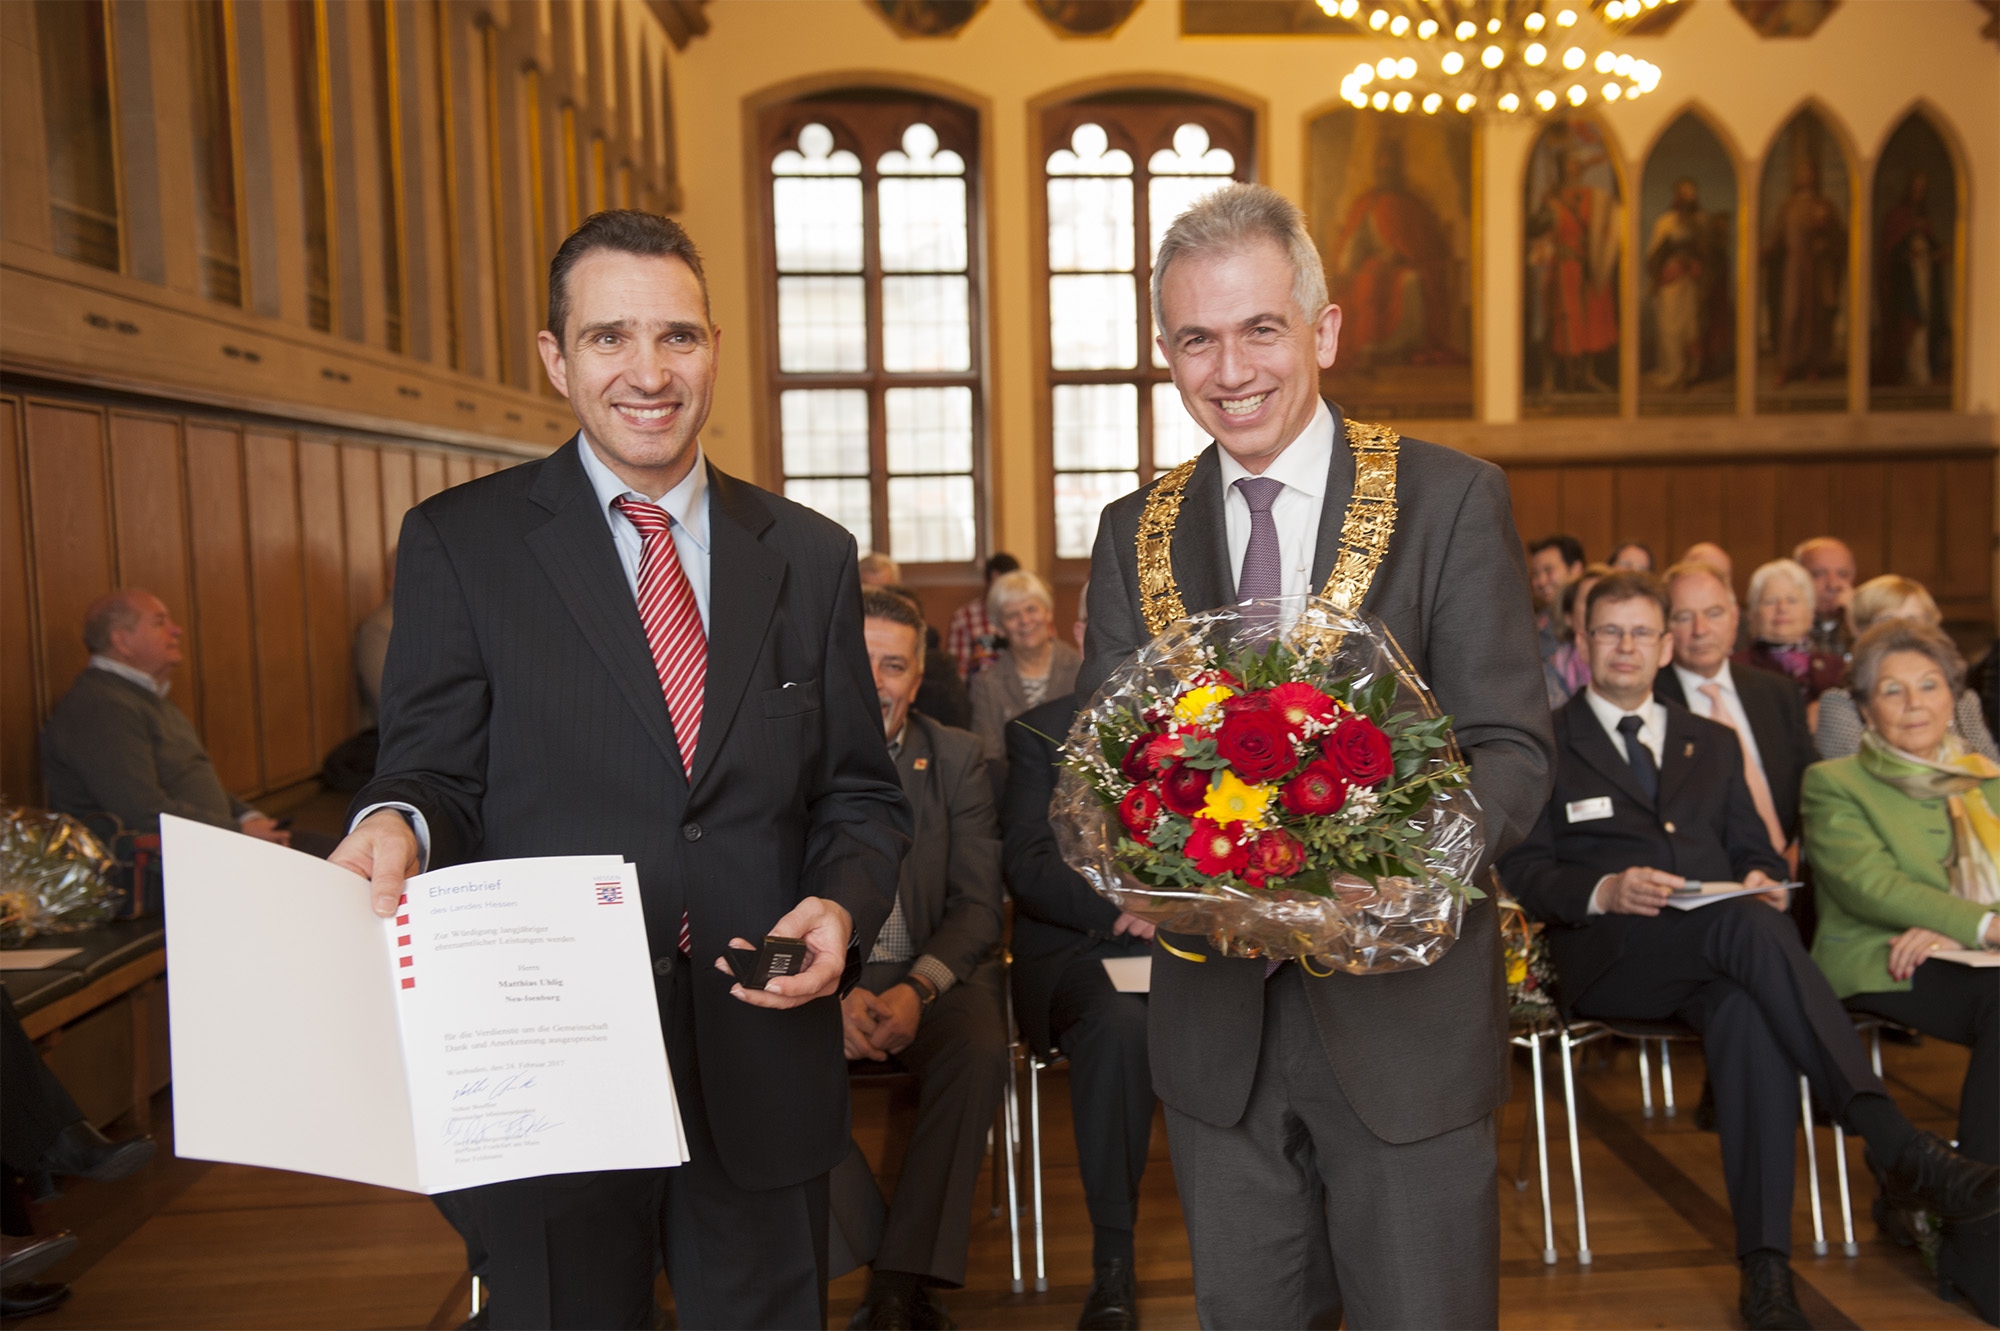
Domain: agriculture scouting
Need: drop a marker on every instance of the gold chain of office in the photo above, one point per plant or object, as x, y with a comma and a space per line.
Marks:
1364, 531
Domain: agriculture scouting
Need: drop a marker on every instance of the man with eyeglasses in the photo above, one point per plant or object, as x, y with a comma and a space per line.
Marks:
1650, 799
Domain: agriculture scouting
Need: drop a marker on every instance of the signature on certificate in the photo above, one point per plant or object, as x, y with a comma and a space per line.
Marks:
480, 1132
489, 1090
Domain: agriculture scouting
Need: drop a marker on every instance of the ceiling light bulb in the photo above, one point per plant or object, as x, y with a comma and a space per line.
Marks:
1625, 64
1576, 94
1427, 29
1491, 57
1348, 8
1402, 102
1573, 58
1386, 67
1359, 98
1545, 99
1380, 101
1377, 19
1535, 54
1566, 19
1493, 25
1466, 101
1605, 60
1399, 25
1406, 68
1465, 30
1330, 8
1650, 4
1453, 62
1612, 92
1510, 103
1534, 22
1432, 103
1364, 74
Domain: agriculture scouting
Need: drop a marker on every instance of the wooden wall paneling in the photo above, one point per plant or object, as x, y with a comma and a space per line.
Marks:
1858, 512
1537, 501
399, 491
430, 475
1805, 504
1967, 513
1915, 530
20, 707
457, 469
1749, 517
361, 483
220, 547
1589, 508
322, 528
1697, 511
278, 607
70, 515
149, 516
1646, 501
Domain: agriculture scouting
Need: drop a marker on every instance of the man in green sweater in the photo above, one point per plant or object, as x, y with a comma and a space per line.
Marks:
114, 744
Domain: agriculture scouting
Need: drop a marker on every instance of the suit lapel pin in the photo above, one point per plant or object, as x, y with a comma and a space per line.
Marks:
1688, 752
921, 764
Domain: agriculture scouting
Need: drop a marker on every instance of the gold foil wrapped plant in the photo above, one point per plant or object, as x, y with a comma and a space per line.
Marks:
54, 876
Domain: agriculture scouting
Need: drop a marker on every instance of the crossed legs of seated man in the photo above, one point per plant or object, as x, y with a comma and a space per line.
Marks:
957, 1049
1736, 972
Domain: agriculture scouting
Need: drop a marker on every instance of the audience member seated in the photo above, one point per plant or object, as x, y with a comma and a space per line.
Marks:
930, 994
1892, 597
1633, 557
942, 695
1554, 562
114, 744
1648, 796
1904, 837
970, 637
1762, 708
1064, 999
43, 1134
1781, 605
1831, 565
878, 570
1569, 669
1035, 666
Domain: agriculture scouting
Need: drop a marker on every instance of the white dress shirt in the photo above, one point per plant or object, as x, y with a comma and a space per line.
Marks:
1302, 468
152, 685
1692, 685
1652, 716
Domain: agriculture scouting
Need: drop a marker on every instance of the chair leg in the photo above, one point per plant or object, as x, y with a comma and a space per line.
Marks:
1035, 1149
1667, 1078
1542, 1151
1812, 1168
1646, 1080
1847, 1243
1575, 1155
1012, 1106
478, 1295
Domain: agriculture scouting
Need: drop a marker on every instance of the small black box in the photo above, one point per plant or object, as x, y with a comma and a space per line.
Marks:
778, 956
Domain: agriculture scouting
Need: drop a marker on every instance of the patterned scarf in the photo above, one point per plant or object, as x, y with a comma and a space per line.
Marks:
1794, 658
1952, 776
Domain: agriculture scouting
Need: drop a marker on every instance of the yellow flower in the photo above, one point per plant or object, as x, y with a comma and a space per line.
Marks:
1195, 702
1231, 800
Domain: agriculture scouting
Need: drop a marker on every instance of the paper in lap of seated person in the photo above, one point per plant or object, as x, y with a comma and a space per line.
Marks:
502, 1025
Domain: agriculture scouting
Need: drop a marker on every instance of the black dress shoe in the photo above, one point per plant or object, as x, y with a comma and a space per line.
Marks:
87, 1153
886, 1308
28, 1299
22, 1257
1767, 1300
927, 1314
1113, 1304
1930, 1176
1905, 1229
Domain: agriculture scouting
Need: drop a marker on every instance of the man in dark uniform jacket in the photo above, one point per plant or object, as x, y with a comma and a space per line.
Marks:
1649, 797
1064, 999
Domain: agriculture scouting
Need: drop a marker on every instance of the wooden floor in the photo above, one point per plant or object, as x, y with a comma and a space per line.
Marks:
189, 1244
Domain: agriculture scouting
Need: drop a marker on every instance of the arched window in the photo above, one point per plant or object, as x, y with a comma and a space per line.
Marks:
1116, 168
877, 384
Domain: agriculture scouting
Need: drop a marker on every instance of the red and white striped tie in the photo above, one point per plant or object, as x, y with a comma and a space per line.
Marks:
673, 631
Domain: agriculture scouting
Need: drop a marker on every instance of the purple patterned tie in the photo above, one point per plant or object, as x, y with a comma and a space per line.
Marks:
1263, 573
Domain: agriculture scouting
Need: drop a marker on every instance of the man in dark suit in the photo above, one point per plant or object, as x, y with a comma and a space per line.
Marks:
1388, 1077
1064, 999
621, 650
929, 996
1649, 796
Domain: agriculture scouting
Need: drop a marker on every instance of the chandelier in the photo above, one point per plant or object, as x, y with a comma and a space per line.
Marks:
1491, 56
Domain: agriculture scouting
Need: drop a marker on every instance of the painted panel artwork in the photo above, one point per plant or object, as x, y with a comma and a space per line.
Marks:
1575, 226
1914, 271
1391, 211
1687, 287
1804, 304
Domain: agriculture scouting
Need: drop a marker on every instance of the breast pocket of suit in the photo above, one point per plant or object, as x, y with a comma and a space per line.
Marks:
793, 699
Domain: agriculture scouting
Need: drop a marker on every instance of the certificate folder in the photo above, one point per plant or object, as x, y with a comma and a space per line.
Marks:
503, 1025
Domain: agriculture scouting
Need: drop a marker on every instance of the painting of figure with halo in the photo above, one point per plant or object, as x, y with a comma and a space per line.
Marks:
1574, 232
1687, 287
1914, 268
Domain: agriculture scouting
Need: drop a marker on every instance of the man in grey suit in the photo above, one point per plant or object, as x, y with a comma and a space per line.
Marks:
929, 996
1331, 1136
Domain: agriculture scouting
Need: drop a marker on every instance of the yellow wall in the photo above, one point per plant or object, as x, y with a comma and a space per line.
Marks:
1867, 65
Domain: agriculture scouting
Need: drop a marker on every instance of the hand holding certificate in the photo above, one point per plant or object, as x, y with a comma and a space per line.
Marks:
501, 1025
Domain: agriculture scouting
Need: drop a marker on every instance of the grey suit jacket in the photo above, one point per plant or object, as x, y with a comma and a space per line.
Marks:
950, 881
1417, 1052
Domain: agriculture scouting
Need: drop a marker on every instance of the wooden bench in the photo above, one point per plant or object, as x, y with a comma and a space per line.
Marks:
100, 1018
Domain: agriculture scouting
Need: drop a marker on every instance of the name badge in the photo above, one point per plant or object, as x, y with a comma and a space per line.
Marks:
1584, 811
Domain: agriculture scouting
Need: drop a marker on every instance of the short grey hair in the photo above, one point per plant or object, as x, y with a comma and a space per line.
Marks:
113, 612
1780, 568
1011, 588
1890, 636
1231, 220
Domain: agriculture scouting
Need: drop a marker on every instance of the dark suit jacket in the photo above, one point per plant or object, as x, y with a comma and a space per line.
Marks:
1703, 825
1778, 724
522, 714
1418, 1052
1057, 915
950, 883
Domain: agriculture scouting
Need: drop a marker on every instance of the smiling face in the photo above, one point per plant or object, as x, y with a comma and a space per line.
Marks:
895, 656
1912, 704
637, 363
1026, 624
1549, 573
1245, 357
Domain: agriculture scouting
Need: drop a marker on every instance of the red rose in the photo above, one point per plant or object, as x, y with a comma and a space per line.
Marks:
1274, 854
1359, 751
1257, 744
1139, 810
1317, 791
1184, 788
1136, 767
1300, 703
1213, 848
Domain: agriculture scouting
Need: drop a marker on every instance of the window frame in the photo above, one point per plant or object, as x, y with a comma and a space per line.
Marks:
1140, 121
869, 121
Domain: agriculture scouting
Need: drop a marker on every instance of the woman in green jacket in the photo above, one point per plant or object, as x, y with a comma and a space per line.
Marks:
1903, 840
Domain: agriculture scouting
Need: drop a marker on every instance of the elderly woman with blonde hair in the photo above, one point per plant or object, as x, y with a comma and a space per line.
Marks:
1036, 665
1891, 597
1781, 622
1903, 838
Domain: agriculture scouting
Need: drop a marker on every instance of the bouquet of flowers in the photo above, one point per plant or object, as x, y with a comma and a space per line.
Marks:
1288, 794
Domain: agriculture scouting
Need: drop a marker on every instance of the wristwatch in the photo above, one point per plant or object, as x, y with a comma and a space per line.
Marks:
926, 991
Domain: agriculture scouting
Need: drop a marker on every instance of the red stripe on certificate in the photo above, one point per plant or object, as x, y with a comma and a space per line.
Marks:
404, 941
403, 962
409, 983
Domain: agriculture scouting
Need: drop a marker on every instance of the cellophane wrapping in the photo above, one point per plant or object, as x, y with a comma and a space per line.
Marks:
54, 876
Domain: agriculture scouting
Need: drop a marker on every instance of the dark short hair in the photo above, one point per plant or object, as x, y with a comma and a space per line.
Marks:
1888, 636
1625, 585
1641, 547
1590, 572
1001, 563
627, 231
897, 608
1572, 549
